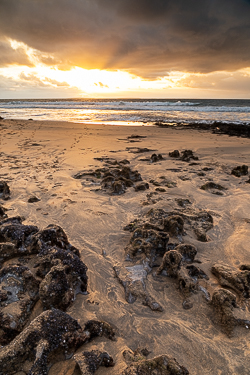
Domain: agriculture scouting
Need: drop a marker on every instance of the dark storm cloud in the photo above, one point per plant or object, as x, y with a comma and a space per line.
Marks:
146, 37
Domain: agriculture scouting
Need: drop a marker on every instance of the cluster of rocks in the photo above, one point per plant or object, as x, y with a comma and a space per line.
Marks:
240, 170
42, 265
115, 177
162, 365
185, 155
156, 238
155, 242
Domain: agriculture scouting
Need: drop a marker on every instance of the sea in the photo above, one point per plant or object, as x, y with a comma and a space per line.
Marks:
146, 112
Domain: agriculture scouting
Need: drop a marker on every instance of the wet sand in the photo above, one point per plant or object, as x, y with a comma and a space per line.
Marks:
40, 158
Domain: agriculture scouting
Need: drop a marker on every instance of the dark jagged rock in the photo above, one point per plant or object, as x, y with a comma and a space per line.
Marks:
148, 242
187, 155
97, 328
187, 277
188, 252
89, 362
174, 225
171, 263
4, 190
223, 303
241, 170
161, 365
57, 289
142, 186
174, 154
213, 188
133, 279
231, 277
200, 222
51, 332
49, 336
19, 291
12, 230
75, 269
155, 158
52, 235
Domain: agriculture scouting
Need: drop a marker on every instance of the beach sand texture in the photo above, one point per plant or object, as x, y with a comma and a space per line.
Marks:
41, 159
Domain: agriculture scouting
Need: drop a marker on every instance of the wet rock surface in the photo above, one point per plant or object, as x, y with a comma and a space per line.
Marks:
161, 365
18, 295
133, 279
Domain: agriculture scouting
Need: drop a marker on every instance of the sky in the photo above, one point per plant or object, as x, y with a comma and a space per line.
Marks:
125, 48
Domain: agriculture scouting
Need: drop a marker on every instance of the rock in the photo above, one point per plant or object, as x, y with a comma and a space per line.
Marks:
187, 155
188, 252
89, 362
154, 158
2, 212
174, 224
52, 333
174, 154
73, 270
231, 277
239, 171
161, 365
223, 302
118, 187
4, 190
57, 289
161, 190
19, 293
142, 186
147, 241
12, 230
171, 263
52, 235
97, 328
33, 199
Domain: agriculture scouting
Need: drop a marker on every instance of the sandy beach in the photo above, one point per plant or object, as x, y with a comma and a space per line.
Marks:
43, 159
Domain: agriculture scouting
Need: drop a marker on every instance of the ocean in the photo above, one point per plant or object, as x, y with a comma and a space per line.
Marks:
130, 111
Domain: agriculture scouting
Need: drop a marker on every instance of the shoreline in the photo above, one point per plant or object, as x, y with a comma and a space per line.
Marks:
43, 158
